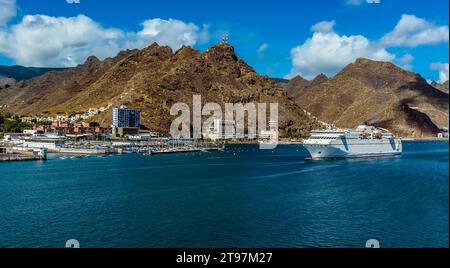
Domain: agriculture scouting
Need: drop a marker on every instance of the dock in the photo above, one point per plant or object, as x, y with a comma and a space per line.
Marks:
184, 150
9, 154
86, 151
19, 157
22, 151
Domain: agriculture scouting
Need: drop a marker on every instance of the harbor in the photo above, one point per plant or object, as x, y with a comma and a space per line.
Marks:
11, 154
125, 135
81, 138
288, 198
29, 148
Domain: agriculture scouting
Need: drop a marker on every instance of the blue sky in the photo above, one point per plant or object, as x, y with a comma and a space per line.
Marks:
272, 36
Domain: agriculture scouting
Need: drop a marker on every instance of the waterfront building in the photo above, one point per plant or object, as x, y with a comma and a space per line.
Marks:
443, 134
102, 130
40, 153
218, 130
271, 134
273, 125
123, 117
125, 121
30, 132
50, 143
39, 129
138, 137
61, 124
61, 127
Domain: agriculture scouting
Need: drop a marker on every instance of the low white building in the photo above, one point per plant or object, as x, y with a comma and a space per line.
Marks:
271, 134
7, 138
51, 143
39, 144
221, 130
31, 132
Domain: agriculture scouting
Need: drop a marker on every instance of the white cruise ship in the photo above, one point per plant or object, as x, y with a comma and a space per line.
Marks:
364, 141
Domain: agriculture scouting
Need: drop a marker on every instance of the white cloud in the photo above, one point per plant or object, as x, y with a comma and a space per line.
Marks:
406, 62
261, 49
328, 52
73, 1
40, 40
411, 31
443, 70
204, 36
58, 41
173, 33
323, 26
7, 10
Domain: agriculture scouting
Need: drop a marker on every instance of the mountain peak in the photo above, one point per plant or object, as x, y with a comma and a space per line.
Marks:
364, 61
320, 78
155, 47
92, 60
222, 52
297, 78
298, 84
379, 74
91, 63
186, 52
222, 45
155, 52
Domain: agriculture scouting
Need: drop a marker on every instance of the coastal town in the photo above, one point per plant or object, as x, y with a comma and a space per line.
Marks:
73, 136
65, 135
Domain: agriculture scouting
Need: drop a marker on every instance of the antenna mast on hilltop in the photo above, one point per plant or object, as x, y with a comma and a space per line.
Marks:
225, 38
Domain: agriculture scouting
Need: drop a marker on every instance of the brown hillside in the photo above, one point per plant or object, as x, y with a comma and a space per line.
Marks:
154, 78
442, 87
41, 93
298, 84
378, 93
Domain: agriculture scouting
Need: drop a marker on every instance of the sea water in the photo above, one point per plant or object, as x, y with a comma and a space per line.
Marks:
242, 197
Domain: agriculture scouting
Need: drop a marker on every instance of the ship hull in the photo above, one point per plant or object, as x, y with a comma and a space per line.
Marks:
366, 149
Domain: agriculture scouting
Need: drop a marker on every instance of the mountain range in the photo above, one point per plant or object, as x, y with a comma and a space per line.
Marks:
375, 93
154, 78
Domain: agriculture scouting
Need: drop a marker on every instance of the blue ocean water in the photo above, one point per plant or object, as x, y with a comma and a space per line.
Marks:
243, 197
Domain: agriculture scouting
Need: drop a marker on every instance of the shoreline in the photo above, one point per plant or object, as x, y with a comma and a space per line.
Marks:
284, 142
426, 139
19, 158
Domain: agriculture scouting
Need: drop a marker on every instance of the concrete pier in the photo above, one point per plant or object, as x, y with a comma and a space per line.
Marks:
19, 157
8, 154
